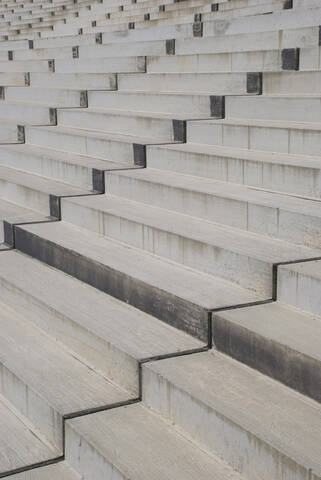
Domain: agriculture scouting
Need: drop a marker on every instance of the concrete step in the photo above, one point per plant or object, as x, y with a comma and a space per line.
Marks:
278, 108
283, 172
33, 191
285, 19
17, 45
301, 83
43, 54
166, 127
9, 132
81, 81
248, 61
52, 97
74, 169
151, 102
112, 147
16, 214
310, 58
156, 286
85, 320
231, 410
229, 253
157, 47
101, 65
27, 113
293, 219
45, 382
276, 339
25, 66
163, 32
299, 286
70, 41
135, 432
59, 470
265, 135
21, 444
13, 79
203, 83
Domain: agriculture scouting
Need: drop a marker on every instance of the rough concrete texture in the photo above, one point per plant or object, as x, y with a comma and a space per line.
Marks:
160, 239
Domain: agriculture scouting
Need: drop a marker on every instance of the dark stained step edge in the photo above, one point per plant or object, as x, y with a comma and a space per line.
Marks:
272, 358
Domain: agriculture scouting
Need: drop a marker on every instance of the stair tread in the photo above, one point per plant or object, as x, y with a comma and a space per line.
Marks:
281, 323
20, 443
118, 137
310, 269
51, 370
43, 184
130, 329
244, 193
55, 471
260, 405
15, 213
135, 432
139, 113
199, 288
257, 122
256, 246
66, 157
291, 159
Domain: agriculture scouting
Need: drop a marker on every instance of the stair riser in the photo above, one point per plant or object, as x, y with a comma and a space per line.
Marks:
224, 62
75, 81
289, 179
175, 104
8, 134
132, 49
243, 450
310, 58
64, 42
290, 367
21, 44
263, 23
14, 79
25, 196
45, 166
49, 97
264, 108
242, 269
173, 310
31, 115
105, 149
24, 67
208, 83
86, 459
292, 83
161, 129
163, 33
42, 415
287, 140
101, 355
43, 54
101, 65
299, 290
256, 218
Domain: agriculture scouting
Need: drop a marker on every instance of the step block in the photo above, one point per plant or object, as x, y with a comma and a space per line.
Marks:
247, 418
276, 339
135, 432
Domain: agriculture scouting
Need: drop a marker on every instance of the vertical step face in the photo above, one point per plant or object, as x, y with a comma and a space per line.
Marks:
299, 284
21, 443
